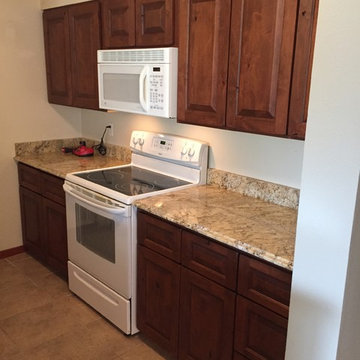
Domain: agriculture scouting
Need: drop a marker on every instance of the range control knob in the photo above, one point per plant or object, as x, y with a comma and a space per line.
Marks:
141, 141
184, 150
191, 152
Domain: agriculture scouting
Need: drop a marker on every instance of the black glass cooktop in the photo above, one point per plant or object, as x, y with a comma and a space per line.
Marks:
132, 180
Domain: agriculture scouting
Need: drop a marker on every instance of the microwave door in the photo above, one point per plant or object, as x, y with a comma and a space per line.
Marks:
123, 87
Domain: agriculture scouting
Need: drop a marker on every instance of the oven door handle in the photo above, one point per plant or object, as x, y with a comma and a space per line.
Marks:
108, 208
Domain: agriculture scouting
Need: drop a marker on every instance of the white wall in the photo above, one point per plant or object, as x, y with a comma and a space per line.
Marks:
263, 157
25, 114
328, 190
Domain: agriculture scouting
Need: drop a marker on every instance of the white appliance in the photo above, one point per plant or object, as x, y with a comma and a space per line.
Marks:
101, 220
142, 81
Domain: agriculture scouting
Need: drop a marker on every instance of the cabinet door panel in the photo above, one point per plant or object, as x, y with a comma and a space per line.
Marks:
203, 59
84, 41
260, 334
206, 319
158, 298
261, 50
55, 236
303, 54
118, 23
57, 55
154, 22
31, 221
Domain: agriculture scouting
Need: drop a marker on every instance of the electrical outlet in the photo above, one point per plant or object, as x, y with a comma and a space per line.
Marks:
111, 129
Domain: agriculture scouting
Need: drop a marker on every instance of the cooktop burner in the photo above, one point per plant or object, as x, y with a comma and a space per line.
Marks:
132, 180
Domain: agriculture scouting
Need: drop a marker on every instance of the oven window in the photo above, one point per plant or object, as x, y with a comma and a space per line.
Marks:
95, 232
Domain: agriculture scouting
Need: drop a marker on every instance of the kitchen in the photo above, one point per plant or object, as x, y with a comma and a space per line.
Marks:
272, 159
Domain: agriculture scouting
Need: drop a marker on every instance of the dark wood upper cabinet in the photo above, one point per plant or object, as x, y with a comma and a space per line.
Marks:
84, 43
154, 22
140, 23
57, 55
72, 37
245, 65
303, 55
203, 60
261, 43
118, 23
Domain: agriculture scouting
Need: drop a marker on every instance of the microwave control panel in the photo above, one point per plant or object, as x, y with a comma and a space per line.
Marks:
157, 84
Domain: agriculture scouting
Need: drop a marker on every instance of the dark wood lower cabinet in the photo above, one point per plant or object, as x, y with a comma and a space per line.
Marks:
206, 318
43, 217
259, 333
232, 305
158, 298
31, 219
55, 235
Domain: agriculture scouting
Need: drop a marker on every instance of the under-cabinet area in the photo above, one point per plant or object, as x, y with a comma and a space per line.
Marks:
200, 299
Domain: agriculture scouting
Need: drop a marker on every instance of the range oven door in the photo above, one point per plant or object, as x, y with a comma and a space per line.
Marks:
99, 237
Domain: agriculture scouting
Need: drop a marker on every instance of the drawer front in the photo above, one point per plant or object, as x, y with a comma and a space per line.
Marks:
30, 178
53, 188
260, 334
265, 284
159, 235
210, 259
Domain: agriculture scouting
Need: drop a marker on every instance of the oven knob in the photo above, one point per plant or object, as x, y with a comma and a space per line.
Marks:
141, 141
184, 150
191, 152
134, 140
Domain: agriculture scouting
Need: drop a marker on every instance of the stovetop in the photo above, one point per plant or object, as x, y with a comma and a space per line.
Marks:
131, 180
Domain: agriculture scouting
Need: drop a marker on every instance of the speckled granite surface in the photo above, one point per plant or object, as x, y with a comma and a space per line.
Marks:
257, 227
47, 156
267, 191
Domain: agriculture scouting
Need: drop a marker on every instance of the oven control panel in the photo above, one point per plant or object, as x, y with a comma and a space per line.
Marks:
169, 147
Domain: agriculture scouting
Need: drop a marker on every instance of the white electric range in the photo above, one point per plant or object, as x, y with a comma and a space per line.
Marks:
101, 220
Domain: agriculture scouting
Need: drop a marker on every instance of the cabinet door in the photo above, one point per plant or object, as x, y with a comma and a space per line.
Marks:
57, 56
206, 319
154, 22
203, 61
31, 221
260, 334
260, 64
158, 298
300, 87
55, 236
118, 23
84, 43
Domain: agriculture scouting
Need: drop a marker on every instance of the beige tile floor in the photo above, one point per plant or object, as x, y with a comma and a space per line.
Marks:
41, 319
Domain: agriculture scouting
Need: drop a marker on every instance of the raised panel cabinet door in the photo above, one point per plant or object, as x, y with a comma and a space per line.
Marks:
31, 222
260, 334
57, 55
118, 23
158, 298
84, 41
207, 313
154, 22
303, 55
204, 27
260, 65
55, 236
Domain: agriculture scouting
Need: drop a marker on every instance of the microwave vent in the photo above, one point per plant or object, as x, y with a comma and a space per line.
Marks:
134, 56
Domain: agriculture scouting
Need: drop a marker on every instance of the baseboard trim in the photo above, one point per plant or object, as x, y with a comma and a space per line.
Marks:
11, 252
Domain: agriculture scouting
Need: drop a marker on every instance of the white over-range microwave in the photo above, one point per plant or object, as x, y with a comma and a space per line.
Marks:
142, 81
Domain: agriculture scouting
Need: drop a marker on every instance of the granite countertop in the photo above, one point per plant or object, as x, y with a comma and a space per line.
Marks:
60, 164
254, 226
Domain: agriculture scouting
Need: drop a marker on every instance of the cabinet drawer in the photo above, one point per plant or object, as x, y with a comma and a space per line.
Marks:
208, 258
30, 178
259, 332
265, 284
53, 188
160, 236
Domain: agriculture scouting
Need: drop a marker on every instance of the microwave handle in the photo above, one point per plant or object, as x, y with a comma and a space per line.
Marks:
142, 88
